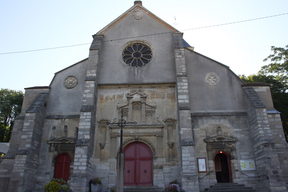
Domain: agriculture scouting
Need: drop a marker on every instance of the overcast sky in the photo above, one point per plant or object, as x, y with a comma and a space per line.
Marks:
33, 24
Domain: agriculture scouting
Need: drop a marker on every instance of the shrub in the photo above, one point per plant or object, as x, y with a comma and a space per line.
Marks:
53, 186
57, 185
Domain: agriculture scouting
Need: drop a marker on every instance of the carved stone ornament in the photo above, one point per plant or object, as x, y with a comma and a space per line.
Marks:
102, 145
220, 138
70, 82
170, 144
62, 140
137, 14
212, 79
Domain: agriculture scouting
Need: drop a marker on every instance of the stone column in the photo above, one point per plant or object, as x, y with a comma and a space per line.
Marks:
143, 113
188, 160
130, 110
266, 158
83, 160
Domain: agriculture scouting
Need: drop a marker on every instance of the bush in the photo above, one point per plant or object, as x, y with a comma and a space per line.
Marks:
57, 185
173, 188
53, 186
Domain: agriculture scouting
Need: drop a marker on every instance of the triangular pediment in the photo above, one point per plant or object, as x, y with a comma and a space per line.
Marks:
131, 11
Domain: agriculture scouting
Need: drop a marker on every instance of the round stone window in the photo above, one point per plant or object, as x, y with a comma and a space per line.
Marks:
137, 55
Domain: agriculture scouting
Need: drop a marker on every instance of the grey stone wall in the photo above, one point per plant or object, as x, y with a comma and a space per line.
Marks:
266, 157
235, 141
280, 142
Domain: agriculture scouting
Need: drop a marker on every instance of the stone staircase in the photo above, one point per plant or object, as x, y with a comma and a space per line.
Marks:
229, 187
142, 189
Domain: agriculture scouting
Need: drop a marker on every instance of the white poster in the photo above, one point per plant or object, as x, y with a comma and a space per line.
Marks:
202, 165
247, 164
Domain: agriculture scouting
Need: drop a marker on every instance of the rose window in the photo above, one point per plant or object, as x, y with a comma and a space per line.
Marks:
137, 55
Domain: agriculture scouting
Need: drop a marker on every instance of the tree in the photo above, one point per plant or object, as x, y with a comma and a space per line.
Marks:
276, 75
10, 107
278, 66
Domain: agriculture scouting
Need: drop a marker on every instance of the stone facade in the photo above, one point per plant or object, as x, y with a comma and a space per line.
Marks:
196, 117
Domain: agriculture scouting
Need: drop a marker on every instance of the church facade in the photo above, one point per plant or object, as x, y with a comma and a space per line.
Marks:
195, 121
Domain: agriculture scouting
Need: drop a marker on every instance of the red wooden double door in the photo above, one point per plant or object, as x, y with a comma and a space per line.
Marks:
62, 167
138, 165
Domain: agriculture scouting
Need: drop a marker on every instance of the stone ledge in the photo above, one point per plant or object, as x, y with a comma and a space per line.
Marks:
181, 74
20, 117
87, 108
22, 151
9, 156
90, 78
184, 108
219, 114
62, 117
82, 142
187, 143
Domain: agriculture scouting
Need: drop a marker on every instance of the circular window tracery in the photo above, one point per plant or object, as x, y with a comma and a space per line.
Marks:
137, 54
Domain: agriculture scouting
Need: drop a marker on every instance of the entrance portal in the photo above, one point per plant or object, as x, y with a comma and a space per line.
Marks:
222, 168
138, 165
62, 167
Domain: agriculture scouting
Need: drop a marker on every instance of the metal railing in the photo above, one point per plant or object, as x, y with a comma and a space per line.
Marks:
256, 176
206, 174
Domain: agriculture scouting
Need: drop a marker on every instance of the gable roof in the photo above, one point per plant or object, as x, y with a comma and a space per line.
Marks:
136, 5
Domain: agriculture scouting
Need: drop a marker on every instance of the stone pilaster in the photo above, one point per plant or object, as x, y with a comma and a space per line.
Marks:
188, 160
266, 158
83, 162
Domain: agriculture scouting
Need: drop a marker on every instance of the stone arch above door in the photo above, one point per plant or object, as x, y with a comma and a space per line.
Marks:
132, 140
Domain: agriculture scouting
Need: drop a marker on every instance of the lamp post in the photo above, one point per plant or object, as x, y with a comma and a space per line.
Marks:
121, 156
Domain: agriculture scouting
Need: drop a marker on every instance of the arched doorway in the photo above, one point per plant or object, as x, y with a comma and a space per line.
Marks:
62, 167
222, 167
138, 165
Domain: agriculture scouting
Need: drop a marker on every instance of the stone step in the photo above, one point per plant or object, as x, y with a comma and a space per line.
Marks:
229, 187
142, 189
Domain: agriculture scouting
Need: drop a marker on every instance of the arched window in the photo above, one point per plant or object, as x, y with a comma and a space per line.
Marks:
62, 167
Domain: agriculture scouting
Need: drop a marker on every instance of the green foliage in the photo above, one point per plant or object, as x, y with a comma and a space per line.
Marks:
10, 107
61, 181
57, 185
53, 186
278, 62
275, 85
276, 75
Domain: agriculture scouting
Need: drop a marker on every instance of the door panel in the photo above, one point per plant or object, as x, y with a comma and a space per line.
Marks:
138, 165
129, 172
145, 172
62, 167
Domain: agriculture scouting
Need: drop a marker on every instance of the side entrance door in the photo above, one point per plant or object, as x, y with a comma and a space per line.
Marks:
138, 165
62, 167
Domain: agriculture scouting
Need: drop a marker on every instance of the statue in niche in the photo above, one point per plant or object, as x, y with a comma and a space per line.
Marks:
53, 132
158, 120
65, 130
219, 130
